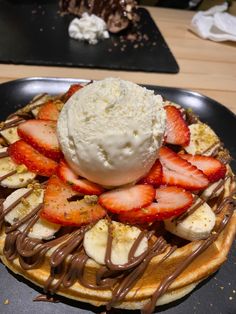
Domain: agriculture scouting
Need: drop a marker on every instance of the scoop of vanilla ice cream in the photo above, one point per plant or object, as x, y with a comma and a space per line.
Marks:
110, 131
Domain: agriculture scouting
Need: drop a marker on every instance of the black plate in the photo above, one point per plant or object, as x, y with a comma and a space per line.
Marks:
214, 296
33, 32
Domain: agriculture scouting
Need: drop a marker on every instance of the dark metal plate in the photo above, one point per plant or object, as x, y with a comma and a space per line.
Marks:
216, 295
33, 32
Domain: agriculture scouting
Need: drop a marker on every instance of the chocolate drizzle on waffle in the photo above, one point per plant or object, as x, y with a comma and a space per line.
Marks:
149, 307
198, 202
12, 123
68, 258
8, 174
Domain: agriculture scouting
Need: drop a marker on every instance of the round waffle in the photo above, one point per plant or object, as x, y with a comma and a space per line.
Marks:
199, 269
168, 276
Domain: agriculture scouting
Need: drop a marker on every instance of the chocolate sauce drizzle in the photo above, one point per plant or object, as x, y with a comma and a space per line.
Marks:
4, 154
11, 172
14, 122
149, 307
68, 259
201, 200
25, 112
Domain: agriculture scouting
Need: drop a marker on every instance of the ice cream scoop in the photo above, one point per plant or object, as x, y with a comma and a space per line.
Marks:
110, 131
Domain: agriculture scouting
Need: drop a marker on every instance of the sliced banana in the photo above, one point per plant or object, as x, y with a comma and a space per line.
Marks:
37, 101
21, 178
42, 229
213, 190
95, 242
196, 226
10, 135
203, 140
35, 111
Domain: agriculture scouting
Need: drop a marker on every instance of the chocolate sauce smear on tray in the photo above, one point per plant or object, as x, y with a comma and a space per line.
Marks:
67, 258
45, 298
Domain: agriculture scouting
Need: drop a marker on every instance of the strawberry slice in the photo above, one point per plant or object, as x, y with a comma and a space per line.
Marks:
177, 131
125, 199
77, 184
61, 206
73, 88
41, 134
154, 175
210, 166
50, 110
171, 201
178, 171
23, 153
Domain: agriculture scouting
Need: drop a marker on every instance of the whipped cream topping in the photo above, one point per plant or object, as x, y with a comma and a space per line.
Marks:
88, 28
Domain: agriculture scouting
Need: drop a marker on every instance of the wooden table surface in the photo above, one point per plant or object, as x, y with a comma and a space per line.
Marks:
205, 66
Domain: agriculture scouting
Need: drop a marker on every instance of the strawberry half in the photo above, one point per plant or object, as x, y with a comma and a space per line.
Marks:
125, 199
154, 175
77, 184
73, 88
59, 206
23, 153
41, 134
177, 131
178, 171
171, 201
50, 110
210, 166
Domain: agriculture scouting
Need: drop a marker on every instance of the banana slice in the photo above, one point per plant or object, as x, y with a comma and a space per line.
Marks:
95, 242
42, 229
213, 190
22, 177
203, 140
37, 101
10, 135
196, 226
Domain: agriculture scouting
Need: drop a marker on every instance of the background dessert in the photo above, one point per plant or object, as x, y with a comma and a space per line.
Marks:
117, 14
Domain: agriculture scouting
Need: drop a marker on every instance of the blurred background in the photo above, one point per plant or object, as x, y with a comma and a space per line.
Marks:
190, 4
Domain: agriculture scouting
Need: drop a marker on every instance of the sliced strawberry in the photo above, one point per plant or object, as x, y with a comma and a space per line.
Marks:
125, 199
50, 110
77, 184
171, 201
154, 175
41, 134
179, 172
177, 131
210, 166
23, 153
73, 88
59, 206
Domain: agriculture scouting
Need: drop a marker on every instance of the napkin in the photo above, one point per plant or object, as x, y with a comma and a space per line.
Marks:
215, 24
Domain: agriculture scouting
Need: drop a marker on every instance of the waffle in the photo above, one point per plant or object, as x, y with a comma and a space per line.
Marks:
169, 275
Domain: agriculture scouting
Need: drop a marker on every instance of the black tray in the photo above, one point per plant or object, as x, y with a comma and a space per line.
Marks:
216, 295
33, 32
